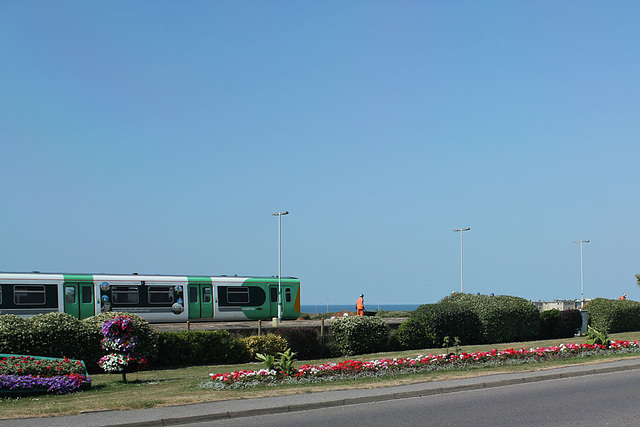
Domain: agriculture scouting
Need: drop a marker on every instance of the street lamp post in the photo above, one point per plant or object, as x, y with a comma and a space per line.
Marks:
461, 231
582, 242
279, 215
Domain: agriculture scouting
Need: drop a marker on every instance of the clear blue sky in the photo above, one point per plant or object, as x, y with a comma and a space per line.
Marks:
158, 137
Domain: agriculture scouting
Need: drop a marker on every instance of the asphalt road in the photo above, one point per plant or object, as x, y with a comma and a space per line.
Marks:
603, 399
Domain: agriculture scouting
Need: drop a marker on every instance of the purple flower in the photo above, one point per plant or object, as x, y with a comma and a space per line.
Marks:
58, 384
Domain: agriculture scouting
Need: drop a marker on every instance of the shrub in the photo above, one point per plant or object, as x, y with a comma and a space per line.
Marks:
503, 318
58, 335
265, 344
570, 323
613, 316
15, 337
305, 342
187, 348
446, 319
51, 334
412, 334
359, 335
550, 324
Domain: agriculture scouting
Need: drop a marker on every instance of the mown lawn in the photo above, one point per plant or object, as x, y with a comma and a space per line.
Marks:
180, 386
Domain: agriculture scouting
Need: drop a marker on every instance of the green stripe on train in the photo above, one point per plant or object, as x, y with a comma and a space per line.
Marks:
78, 278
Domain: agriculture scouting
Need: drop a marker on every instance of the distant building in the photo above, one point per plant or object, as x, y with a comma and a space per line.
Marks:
558, 304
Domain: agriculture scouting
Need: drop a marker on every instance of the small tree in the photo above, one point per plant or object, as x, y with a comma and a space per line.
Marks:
120, 338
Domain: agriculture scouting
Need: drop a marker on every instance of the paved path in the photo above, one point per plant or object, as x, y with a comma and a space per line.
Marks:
202, 412
252, 325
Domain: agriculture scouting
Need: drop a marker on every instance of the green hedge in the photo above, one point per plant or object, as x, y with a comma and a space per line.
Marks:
446, 319
559, 324
51, 335
359, 335
473, 319
550, 324
611, 316
187, 348
412, 334
503, 318
305, 342
571, 323
62, 335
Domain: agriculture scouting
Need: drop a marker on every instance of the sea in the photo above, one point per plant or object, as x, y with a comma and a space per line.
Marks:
335, 308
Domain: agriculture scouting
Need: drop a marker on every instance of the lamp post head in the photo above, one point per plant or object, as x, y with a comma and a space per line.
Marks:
462, 229
280, 213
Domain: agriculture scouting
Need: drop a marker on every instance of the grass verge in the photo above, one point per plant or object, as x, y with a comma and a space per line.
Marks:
182, 386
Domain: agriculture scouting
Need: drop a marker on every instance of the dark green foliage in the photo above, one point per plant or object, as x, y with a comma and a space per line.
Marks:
449, 319
412, 334
613, 316
503, 318
473, 319
187, 348
359, 335
559, 324
305, 342
571, 322
550, 324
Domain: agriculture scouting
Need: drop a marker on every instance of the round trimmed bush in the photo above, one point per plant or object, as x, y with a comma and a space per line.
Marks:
265, 344
15, 336
412, 334
359, 335
611, 316
57, 335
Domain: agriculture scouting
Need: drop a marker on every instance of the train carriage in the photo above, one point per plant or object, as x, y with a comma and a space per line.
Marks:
156, 298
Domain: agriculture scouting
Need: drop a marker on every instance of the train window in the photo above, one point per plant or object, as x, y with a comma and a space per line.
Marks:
193, 294
287, 294
206, 294
161, 295
23, 295
274, 294
125, 295
70, 295
238, 295
87, 295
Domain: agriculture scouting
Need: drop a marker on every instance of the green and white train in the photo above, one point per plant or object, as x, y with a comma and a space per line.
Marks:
155, 298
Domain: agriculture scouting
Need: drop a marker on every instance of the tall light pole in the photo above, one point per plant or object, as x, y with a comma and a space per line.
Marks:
461, 231
582, 242
279, 215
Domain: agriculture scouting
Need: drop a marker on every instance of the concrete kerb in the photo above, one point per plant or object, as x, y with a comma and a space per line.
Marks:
214, 411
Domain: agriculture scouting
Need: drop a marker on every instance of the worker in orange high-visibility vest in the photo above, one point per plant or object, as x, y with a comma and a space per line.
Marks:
360, 305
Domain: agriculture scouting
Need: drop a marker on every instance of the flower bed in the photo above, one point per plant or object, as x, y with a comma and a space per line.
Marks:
354, 368
22, 374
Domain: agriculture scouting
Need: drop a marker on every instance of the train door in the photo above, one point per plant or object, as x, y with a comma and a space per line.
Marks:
273, 300
79, 299
200, 297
